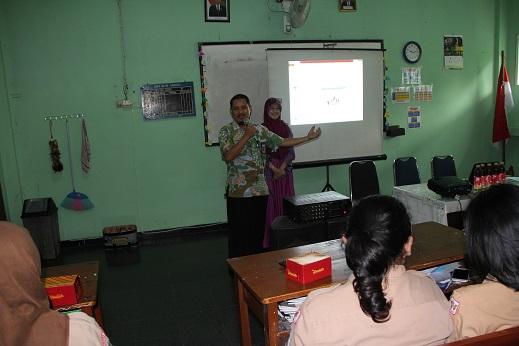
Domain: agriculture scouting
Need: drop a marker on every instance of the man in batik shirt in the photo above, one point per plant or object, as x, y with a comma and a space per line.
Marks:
244, 148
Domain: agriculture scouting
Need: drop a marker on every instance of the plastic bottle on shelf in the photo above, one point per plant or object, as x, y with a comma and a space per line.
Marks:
494, 179
488, 179
502, 172
483, 176
477, 178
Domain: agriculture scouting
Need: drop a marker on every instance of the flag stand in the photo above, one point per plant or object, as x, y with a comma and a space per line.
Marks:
503, 148
504, 103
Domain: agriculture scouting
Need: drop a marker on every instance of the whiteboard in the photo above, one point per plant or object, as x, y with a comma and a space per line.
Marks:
231, 68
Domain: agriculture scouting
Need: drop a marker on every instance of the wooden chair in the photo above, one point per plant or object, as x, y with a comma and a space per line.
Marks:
505, 337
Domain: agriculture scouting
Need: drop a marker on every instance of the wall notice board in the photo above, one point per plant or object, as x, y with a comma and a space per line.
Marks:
229, 68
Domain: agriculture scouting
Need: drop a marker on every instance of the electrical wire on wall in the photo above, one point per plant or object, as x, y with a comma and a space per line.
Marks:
124, 102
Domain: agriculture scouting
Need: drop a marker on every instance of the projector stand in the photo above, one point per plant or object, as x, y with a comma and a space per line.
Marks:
328, 186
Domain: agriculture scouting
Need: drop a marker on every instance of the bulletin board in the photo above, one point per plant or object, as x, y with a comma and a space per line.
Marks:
229, 68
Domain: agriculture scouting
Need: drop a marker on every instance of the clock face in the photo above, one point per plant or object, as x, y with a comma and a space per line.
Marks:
412, 52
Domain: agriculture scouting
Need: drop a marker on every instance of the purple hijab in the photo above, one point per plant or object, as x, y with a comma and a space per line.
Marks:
277, 126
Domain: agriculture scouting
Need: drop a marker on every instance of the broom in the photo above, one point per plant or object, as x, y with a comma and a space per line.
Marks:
75, 200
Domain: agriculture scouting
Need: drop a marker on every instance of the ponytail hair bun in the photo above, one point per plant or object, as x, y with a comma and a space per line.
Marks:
377, 230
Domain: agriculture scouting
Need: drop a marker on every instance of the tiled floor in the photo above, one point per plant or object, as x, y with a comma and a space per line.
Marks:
179, 292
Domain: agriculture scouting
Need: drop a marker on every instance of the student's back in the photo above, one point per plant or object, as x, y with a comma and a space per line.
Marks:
492, 229
419, 315
381, 303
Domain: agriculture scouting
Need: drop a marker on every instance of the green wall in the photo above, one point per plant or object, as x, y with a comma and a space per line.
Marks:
511, 28
62, 57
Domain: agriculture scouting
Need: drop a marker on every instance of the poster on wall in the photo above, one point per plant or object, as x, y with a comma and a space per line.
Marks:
453, 52
167, 100
423, 92
414, 117
400, 94
411, 75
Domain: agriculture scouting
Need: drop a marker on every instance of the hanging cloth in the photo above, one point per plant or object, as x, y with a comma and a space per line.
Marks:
57, 166
85, 148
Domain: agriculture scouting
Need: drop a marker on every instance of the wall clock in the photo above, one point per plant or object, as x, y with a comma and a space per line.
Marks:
412, 52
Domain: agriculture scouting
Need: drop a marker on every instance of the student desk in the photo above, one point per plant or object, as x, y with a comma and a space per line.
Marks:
261, 283
88, 273
425, 205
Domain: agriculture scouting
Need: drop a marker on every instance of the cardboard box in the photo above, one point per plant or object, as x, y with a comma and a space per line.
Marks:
308, 268
62, 290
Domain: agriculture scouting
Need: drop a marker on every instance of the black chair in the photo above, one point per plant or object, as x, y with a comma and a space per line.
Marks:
443, 166
363, 180
405, 171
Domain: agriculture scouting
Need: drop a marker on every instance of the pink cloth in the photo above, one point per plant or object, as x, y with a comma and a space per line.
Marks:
278, 189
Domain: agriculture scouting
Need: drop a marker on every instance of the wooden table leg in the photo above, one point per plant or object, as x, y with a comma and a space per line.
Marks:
244, 314
271, 324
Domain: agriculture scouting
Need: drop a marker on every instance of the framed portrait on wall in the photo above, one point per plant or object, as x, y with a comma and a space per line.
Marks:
217, 10
347, 5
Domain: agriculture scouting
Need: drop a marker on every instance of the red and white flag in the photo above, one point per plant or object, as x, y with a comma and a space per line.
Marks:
504, 105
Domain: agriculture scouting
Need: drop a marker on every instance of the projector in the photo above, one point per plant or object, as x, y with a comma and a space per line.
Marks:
449, 186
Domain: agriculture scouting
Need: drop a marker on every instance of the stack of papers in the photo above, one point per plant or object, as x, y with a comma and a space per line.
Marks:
442, 274
287, 310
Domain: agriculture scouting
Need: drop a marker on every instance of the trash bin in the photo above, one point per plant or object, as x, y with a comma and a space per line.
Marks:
40, 217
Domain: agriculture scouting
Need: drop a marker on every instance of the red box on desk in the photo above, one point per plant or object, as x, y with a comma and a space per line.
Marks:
62, 290
308, 268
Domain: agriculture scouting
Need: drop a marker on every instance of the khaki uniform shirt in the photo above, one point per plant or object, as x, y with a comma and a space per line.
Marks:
484, 308
332, 316
246, 173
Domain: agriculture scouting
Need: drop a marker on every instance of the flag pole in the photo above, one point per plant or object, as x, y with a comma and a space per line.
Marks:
503, 142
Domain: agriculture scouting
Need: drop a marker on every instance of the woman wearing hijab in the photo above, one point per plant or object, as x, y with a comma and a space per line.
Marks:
278, 174
26, 318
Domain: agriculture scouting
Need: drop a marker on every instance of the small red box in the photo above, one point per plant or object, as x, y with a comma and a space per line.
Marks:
62, 290
308, 268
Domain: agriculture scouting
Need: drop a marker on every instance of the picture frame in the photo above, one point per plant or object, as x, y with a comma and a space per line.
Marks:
217, 11
347, 5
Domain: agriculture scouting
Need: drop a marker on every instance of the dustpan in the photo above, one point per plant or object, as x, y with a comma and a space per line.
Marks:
75, 200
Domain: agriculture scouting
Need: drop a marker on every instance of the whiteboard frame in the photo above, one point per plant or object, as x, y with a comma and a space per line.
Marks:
244, 52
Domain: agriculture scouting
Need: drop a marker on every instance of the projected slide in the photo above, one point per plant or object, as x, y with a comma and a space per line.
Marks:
325, 91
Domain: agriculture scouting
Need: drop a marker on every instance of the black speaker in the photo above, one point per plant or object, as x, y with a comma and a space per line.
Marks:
395, 131
287, 233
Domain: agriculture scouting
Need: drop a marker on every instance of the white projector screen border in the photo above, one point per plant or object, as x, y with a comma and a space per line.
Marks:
341, 141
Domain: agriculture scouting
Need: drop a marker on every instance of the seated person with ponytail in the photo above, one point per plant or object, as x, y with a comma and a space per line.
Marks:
492, 233
382, 303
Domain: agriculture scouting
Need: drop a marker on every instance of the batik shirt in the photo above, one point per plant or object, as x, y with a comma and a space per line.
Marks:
246, 173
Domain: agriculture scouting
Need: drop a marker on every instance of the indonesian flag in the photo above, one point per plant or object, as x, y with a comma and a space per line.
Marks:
504, 104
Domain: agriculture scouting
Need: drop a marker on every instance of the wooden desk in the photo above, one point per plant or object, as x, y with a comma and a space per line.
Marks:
261, 283
88, 273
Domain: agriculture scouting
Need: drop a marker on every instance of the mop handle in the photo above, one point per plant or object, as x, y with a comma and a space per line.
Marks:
70, 157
